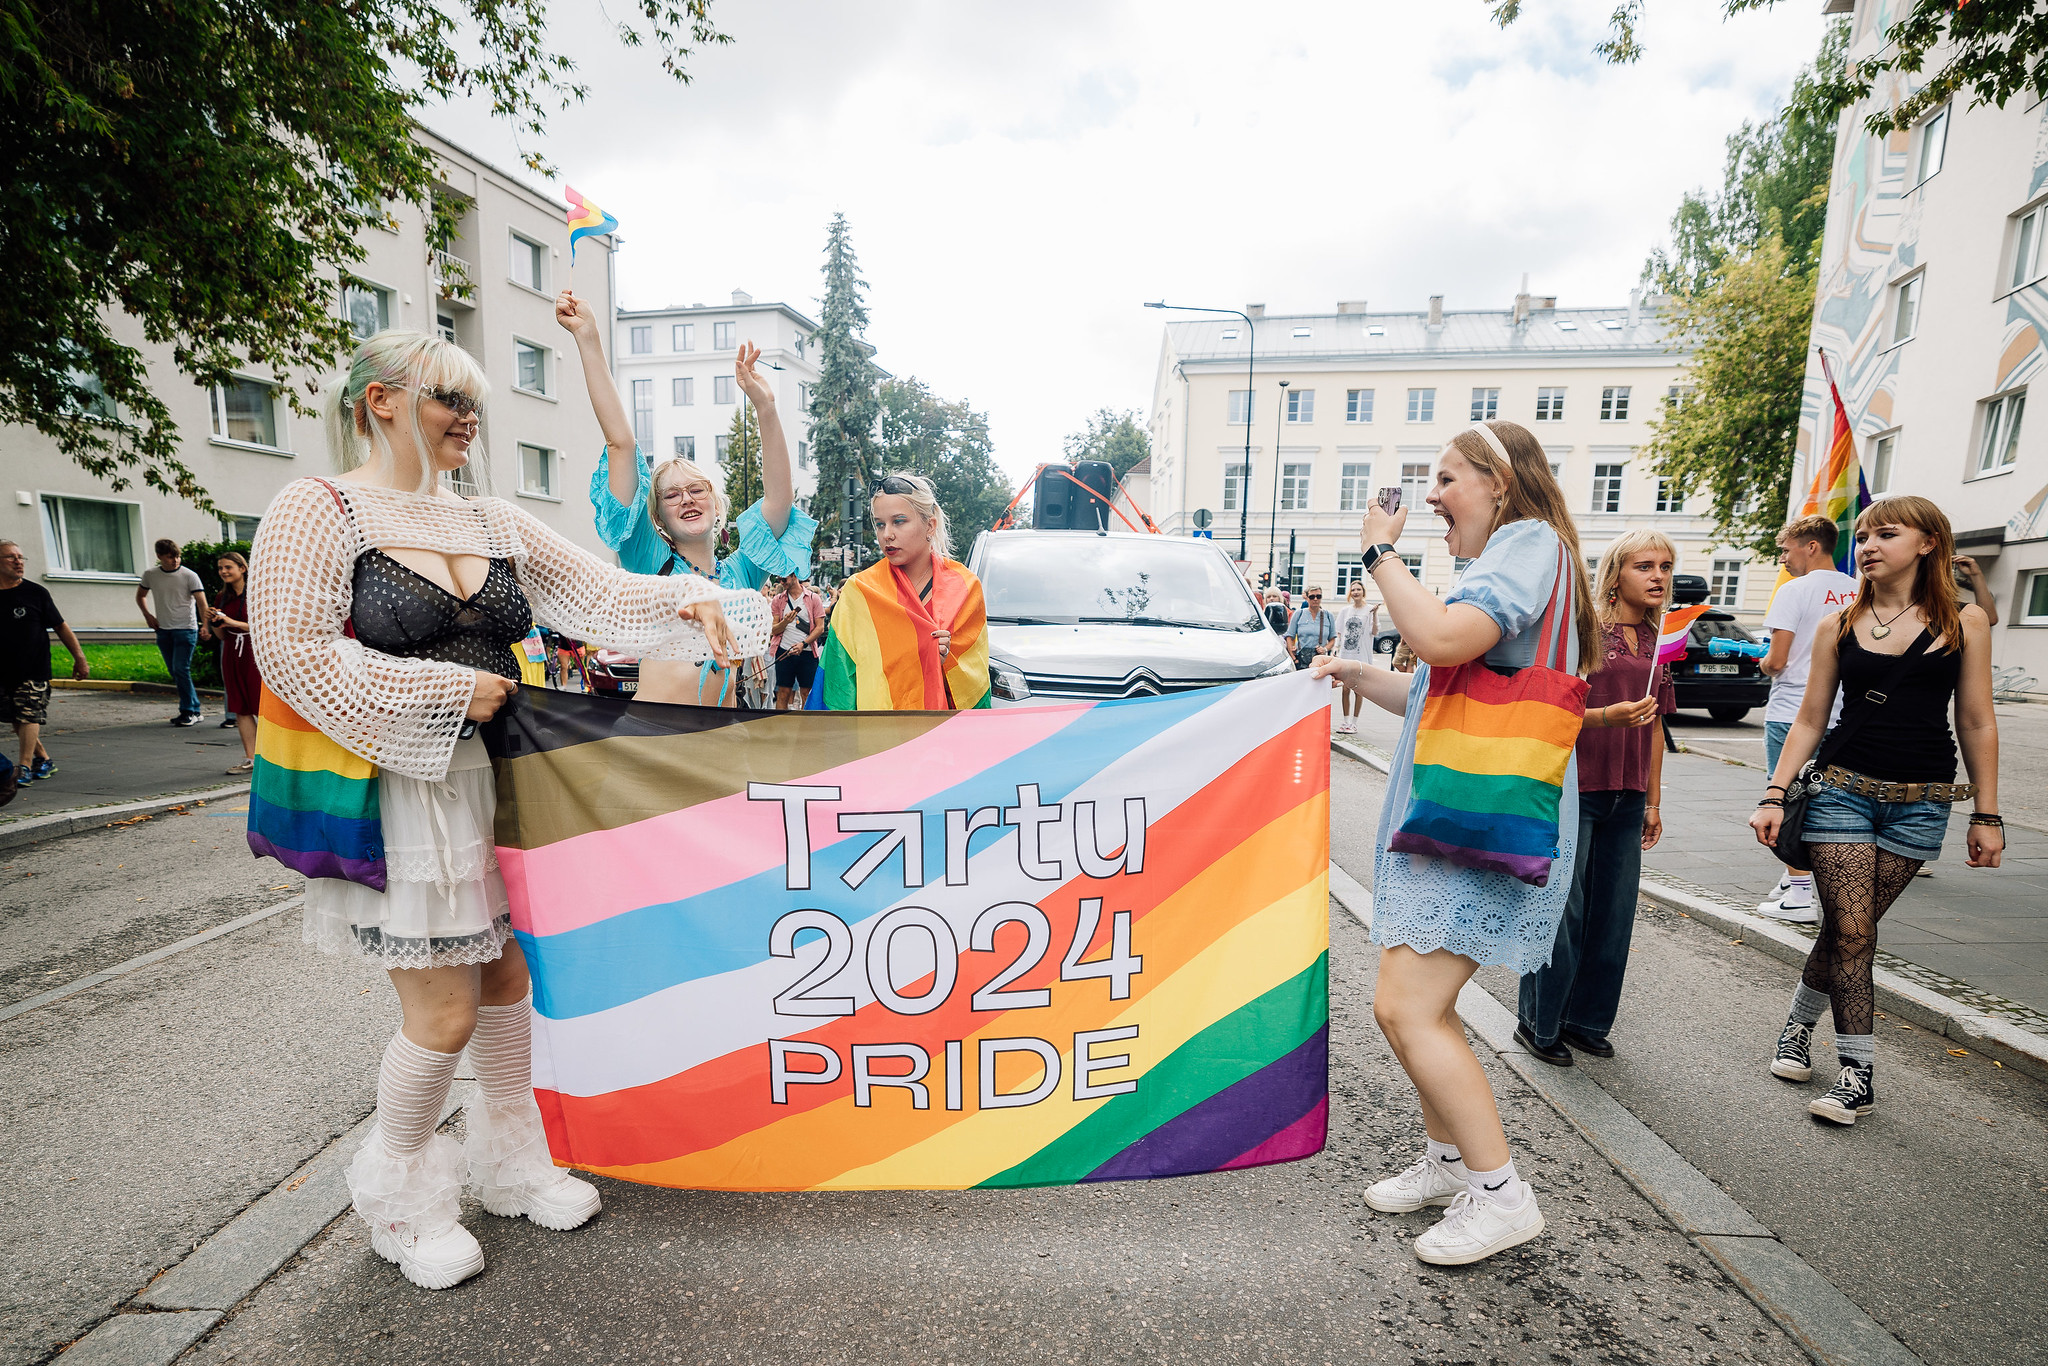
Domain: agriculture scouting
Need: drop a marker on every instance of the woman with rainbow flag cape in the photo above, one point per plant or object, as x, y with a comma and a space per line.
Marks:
666, 518
909, 632
384, 608
1574, 998
1478, 834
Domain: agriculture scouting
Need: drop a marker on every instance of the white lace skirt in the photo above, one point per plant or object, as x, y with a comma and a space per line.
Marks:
443, 903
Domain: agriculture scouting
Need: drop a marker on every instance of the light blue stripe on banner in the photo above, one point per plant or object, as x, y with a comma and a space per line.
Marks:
625, 957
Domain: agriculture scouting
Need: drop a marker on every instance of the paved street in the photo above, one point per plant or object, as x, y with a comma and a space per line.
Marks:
152, 1108
116, 747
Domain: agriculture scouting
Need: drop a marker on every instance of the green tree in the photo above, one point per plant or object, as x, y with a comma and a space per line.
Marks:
1993, 48
844, 404
197, 174
1119, 438
742, 465
949, 444
1733, 436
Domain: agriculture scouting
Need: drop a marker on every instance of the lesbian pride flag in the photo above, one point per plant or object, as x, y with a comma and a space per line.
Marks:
1671, 634
926, 950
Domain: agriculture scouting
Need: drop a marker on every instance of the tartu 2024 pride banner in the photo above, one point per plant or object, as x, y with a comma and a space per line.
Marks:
927, 950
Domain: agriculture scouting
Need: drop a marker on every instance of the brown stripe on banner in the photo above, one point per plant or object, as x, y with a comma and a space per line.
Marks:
609, 783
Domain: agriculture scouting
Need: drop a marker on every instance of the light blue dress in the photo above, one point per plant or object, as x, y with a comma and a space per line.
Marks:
1428, 903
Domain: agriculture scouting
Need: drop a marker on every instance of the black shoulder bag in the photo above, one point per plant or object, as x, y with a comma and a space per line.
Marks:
1790, 847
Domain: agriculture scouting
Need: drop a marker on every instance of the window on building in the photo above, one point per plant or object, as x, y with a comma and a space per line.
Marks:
1485, 405
88, 536
722, 336
236, 527
686, 447
1414, 487
1933, 144
803, 397
1882, 448
2026, 246
2000, 446
1233, 486
1614, 403
1350, 570
1567, 326
719, 446
721, 389
1301, 333
246, 410
1301, 405
1724, 585
1676, 396
643, 411
683, 337
801, 342
1230, 334
1459, 563
1670, 497
1414, 563
530, 367
1906, 309
1550, 405
537, 470
1354, 489
1293, 488
444, 327
1358, 405
1293, 574
1607, 488
368, 308
529, 263
1557, 470
1422, 405
2034, 599
803, 456
643, 341
462, 480
682, 392
1241, 406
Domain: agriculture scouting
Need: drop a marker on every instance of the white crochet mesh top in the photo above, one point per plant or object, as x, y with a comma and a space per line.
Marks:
404, 714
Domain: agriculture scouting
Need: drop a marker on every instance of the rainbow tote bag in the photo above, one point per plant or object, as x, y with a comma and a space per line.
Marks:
312, 804
1491, 756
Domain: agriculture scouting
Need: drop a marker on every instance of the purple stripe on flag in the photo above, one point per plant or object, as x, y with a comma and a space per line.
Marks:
1299, 1139
320, 863
1234, 1122
1533, 869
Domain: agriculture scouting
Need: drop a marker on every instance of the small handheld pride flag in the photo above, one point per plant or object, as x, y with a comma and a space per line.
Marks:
1671, 637
585, 219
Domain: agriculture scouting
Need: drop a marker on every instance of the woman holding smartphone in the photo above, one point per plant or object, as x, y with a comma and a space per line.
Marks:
1438, 922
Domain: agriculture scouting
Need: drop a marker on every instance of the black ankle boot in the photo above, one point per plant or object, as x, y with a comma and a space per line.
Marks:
1557, 1055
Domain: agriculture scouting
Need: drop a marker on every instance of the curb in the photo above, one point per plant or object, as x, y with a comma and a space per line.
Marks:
56, 824
128, 685
2017, 1048
1825, 1323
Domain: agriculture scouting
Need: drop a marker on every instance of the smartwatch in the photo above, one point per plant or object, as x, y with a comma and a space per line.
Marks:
1374, 554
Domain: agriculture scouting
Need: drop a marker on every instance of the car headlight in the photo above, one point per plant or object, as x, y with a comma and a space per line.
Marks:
1008, 683
1285, 666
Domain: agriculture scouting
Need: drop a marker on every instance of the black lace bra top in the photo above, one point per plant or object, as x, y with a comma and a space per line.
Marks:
402, 612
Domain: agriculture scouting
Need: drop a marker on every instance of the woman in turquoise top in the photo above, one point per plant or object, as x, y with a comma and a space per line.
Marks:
1437, 922
667, 518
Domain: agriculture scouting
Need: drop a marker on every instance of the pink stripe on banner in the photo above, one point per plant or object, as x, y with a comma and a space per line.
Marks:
577, 882
1306, 1135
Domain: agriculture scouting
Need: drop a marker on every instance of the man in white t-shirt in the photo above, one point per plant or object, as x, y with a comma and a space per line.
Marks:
180, 600
1796, 612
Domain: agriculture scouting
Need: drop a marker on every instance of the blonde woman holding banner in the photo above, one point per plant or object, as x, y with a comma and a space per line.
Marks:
1573, 999
1523, 602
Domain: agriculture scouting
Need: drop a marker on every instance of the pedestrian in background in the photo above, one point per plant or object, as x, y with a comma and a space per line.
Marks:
1437, 920
1793, 617
229, 621
799, 625
1276, 613
1310, 628
1573, 999
27, 616
180, 600
1903, 651
1357, 624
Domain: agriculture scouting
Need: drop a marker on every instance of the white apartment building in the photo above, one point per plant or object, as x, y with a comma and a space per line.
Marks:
1343, 403
676, 377
1932, 305
491, 291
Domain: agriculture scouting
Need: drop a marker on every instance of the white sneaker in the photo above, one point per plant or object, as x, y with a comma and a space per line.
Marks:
513, 1175
554, 1200
1349, 727
1795, 906
1430, 1181
1473, 1229
431, 1256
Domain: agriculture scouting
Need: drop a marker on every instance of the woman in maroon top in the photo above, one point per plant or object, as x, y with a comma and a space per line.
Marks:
229, 619
1621, 766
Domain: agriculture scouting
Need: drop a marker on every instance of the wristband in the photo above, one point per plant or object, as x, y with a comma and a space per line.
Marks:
1770, 801
1374, 554
1775, 787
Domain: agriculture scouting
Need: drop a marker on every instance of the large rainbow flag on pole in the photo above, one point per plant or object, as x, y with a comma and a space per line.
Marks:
881, 950
585, 219
1839, 491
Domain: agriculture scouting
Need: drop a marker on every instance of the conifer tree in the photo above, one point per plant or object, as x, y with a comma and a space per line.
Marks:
844, 403
741, 465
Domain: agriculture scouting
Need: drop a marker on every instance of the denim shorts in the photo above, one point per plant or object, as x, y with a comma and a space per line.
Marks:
1908, 829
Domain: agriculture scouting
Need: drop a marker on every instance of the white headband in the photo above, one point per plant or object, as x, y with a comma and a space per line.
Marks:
1486, 433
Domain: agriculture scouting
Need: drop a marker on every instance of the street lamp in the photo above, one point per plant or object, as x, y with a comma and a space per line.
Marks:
1244, 483
1273, 526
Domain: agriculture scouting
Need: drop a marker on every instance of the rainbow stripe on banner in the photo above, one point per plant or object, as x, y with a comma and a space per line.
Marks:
313, 805
923, 950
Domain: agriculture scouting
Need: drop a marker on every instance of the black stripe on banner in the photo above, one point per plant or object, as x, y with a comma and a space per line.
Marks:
541, 720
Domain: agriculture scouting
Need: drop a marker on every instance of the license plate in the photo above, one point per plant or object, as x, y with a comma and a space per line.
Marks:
1719, 669
629, 685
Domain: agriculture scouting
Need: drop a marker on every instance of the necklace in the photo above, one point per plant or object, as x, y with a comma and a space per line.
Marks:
1884, 628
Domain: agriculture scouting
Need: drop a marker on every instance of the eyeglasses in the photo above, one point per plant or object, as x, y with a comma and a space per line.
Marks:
455, 401
700, 490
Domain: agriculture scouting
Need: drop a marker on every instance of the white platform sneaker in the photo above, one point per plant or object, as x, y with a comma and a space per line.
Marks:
513, 1175
411, 1205
1474, 1229
433, 1256
1430, 1181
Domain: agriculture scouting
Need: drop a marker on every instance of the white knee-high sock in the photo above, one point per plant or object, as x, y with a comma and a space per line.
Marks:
411, 1086
501, 1050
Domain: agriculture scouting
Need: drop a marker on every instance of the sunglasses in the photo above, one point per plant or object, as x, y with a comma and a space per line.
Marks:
455, 401
897, 484
1315, 597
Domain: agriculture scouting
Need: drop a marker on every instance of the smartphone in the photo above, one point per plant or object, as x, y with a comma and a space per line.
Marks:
1390, 500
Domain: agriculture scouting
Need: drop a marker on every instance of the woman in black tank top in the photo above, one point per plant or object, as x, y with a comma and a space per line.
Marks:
1902, 653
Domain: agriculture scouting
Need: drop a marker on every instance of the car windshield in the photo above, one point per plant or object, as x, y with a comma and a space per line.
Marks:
1152, 582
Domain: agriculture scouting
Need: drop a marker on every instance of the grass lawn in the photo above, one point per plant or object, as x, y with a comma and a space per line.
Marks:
136, 661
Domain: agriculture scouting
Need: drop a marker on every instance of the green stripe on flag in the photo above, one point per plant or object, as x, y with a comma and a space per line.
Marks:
842, 687
1228, 1051
315, 790
1499, 794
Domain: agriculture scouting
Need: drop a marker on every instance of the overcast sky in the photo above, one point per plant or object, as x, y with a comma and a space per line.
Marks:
1020, 177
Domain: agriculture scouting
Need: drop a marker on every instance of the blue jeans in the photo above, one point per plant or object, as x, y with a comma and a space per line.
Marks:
176, 647
1774, 743
1582, 986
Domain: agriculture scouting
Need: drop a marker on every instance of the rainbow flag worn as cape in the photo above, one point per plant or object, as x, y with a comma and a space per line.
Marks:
879, 652
923, 950
1671, 636
585, 219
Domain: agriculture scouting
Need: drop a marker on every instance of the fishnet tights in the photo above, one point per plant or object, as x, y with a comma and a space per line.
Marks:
1857, 884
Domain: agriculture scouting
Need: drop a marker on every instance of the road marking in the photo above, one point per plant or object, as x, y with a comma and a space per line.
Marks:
123, 969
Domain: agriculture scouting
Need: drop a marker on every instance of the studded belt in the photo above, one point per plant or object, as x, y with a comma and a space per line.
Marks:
1864, 786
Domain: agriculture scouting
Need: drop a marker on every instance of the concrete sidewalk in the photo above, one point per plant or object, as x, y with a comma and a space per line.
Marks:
115, 747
